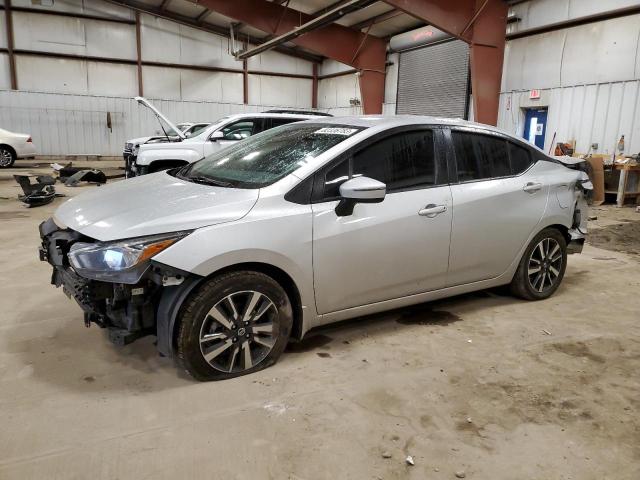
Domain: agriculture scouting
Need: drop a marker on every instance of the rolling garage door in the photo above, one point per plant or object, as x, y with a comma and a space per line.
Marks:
434, 80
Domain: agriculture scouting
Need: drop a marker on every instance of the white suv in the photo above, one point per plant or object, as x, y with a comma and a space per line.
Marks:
226, 131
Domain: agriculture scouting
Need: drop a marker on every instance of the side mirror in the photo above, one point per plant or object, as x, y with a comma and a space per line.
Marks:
217, 135
359, 190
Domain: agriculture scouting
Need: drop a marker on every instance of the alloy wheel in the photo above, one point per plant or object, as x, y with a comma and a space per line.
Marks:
239, 331
5, 157
545, 264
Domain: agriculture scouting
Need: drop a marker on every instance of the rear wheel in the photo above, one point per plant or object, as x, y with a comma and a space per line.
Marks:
236, 323
7, 157
542, 266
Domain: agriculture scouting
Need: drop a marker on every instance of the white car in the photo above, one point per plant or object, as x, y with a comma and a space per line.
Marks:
153, 157
226, 259
170, 133
14, 146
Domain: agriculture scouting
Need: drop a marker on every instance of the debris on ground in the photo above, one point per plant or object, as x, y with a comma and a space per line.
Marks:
460, 474
39, 193
409, 460
546, 332
386, 454
592, 217
89, 176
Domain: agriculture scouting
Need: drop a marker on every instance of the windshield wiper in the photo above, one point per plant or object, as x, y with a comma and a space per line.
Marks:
207, 181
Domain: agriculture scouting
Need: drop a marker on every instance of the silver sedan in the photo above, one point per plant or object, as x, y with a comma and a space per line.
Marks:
226, 259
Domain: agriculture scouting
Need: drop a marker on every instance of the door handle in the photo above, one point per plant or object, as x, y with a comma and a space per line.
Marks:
432, 210
532, 187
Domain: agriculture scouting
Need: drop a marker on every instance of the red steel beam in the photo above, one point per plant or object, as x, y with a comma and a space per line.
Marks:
365, 53
480, 23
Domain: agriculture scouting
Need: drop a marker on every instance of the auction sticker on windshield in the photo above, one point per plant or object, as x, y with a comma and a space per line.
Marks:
337, 131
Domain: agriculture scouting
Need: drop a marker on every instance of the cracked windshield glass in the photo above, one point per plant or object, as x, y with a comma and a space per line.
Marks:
267, 157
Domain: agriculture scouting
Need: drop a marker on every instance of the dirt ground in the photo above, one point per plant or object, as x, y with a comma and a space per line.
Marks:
482, 385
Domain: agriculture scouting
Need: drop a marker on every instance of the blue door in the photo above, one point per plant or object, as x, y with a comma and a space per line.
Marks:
535, 126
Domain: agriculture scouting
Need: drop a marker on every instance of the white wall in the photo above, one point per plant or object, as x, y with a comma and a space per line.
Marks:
334, 93
57, 95
589, 77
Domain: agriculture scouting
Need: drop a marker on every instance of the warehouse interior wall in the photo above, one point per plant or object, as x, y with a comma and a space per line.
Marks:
339, 90
588, 75
80, 92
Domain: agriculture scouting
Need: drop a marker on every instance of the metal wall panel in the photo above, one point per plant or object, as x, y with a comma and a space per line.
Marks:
595, 53
5, 77
271, 61
112, 79
281, 91
336, 92
3, 30
51, 74
597, 113
537, 13
77, 124
434, 80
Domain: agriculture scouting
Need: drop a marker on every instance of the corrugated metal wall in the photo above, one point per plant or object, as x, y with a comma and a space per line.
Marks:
589, 77
77, 124
434, 80
597, 113
63, 103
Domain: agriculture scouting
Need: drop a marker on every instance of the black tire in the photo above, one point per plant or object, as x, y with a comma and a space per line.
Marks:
197, 323
7, 156
528, 285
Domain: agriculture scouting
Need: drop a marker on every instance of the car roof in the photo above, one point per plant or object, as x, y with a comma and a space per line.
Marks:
274, 115
384, 122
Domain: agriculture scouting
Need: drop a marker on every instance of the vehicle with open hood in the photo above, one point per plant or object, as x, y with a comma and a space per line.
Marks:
219, 135
227, 259
170, 132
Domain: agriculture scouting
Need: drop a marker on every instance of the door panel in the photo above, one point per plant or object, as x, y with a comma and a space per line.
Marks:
383, 251
491, 222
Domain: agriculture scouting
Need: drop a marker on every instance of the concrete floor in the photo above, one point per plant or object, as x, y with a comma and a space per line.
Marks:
483, 384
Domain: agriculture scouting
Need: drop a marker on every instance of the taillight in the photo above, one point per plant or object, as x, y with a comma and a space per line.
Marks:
29, 140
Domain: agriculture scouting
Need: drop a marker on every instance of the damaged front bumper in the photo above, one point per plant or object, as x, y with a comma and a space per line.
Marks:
128, 311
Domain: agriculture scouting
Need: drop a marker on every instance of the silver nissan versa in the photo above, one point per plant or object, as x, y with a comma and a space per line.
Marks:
227, 259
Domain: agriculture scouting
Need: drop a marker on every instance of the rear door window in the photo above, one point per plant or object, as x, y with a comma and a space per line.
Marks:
276, 122
480, 157
520, 158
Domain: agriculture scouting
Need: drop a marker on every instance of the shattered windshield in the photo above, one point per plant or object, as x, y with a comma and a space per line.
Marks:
267, 157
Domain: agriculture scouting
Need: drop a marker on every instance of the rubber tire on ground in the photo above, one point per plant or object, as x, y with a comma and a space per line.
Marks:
13, 156
520, 286
193, 312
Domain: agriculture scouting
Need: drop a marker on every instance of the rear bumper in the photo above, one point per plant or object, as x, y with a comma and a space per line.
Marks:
28, 150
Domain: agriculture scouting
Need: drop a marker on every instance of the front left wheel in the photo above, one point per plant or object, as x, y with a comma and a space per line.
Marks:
236, 323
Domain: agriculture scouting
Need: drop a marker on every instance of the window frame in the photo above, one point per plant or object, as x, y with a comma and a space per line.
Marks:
317, 195
452, 160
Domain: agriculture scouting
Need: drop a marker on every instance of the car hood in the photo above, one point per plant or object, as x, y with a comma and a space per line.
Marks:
138, 140
152, 204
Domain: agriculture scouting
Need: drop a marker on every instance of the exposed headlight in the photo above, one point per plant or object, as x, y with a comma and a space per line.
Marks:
121, 262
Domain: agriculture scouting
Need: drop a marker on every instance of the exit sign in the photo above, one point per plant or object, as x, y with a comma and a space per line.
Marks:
534, 94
